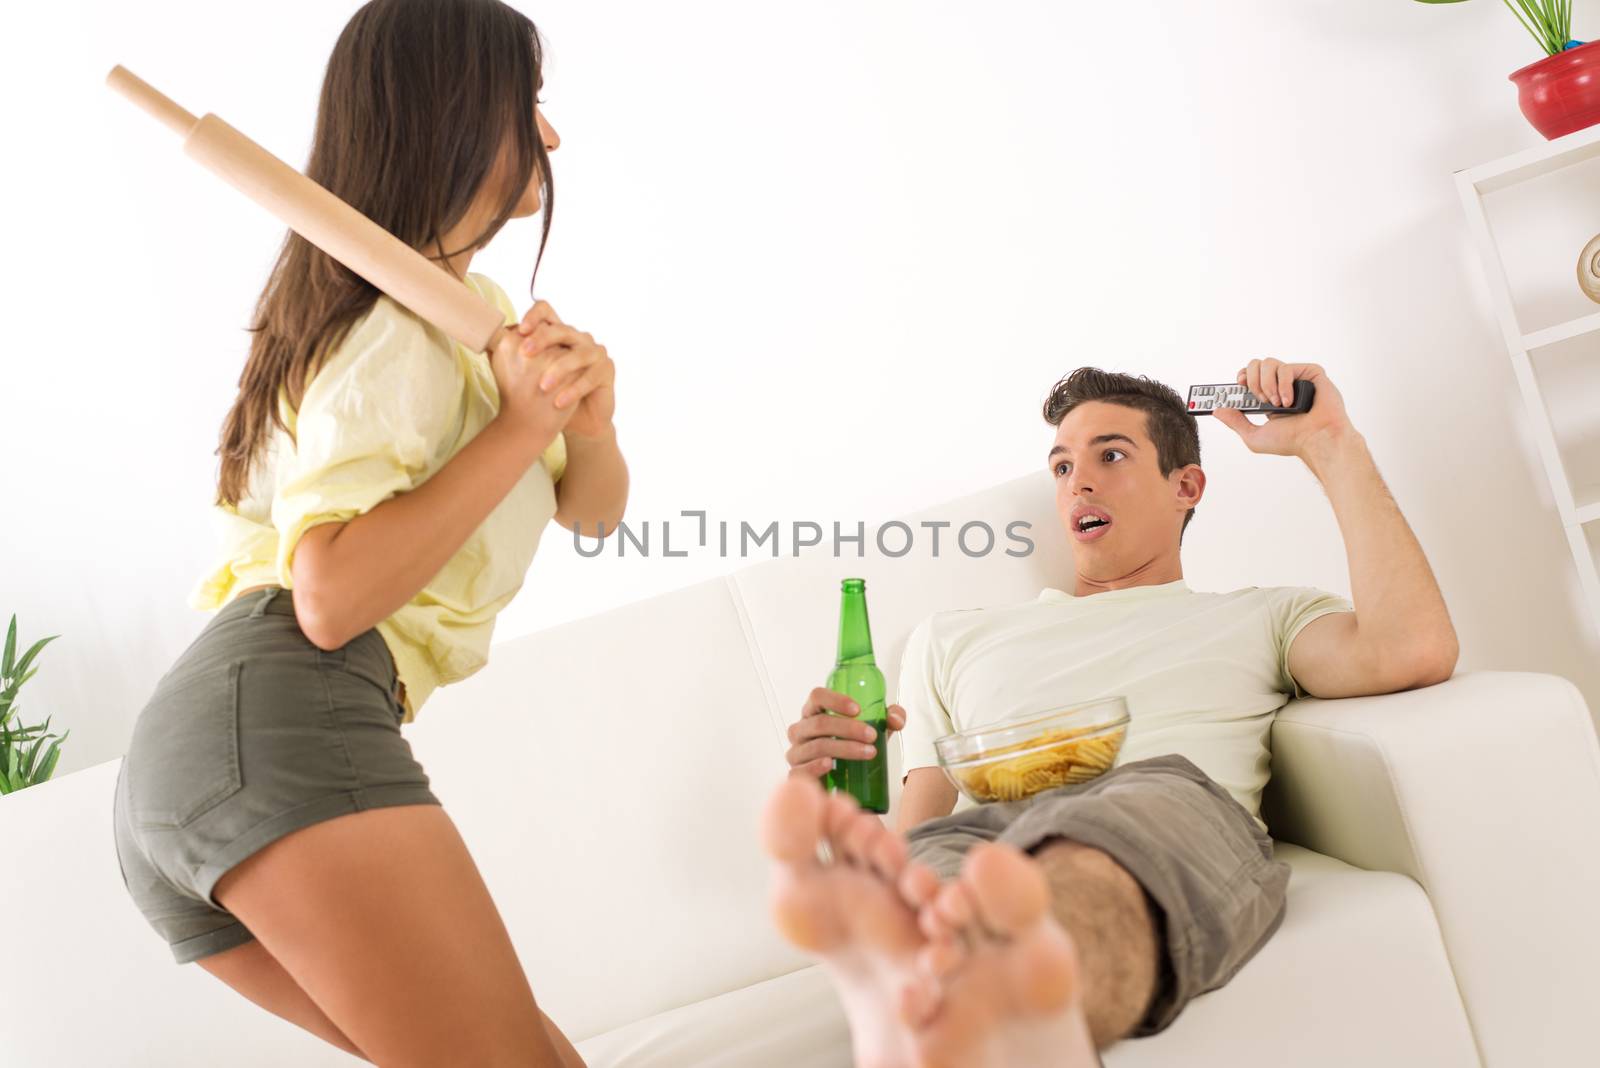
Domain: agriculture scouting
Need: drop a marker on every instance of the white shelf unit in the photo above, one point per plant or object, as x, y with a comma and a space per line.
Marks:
1579, 506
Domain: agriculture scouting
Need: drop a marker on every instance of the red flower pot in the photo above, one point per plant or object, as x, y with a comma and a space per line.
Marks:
1561, 93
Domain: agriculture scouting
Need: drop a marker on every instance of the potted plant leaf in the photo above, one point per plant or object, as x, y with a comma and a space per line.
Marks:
20, 761
1561, 92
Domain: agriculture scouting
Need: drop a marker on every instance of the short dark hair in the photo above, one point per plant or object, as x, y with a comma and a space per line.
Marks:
1171, 428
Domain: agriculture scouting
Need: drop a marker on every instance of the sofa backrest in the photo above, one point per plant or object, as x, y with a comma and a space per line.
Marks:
608, 773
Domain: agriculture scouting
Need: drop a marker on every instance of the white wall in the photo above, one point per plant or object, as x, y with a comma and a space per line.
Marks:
839, 252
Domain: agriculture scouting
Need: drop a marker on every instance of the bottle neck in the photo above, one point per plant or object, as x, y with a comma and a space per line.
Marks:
855, 636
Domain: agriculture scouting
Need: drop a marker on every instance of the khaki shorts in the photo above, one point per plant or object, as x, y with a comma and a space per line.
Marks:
1202, 859
253, 734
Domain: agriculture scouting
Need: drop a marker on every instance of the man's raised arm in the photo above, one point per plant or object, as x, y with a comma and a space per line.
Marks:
1401, 634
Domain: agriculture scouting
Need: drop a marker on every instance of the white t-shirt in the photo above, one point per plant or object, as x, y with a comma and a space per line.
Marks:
1202, 673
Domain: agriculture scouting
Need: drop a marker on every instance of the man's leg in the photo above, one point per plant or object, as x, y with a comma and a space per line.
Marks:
1167, 881
1116, 928
1166, 884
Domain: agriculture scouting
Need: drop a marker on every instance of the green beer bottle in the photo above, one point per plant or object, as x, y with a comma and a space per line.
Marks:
856, 676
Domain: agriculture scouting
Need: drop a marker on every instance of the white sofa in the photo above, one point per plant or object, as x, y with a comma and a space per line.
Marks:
607, 775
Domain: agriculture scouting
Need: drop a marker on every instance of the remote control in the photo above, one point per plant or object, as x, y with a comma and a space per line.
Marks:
1203, 400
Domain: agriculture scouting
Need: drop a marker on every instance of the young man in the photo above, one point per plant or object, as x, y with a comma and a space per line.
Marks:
1040, 931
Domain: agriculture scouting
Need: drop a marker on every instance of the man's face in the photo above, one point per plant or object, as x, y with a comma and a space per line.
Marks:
1105, 465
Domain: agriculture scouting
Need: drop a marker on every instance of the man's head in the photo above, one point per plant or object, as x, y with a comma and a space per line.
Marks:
1128, 451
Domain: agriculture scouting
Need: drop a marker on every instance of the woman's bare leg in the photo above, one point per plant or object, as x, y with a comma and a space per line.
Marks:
569, 1054
383, 919
253, 972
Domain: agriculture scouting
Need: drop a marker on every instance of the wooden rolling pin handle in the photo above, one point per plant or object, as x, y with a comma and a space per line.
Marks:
372, 252
310, 210
151, 99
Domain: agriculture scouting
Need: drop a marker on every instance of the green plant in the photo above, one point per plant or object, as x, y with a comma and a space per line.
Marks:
18, 768
1550, 21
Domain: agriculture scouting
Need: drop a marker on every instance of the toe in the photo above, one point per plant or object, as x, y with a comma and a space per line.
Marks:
1007, 888
838, 813
934, 926
941, 957
955, 904
918, 884
919, 1000
888, 855
791, 824
861, 836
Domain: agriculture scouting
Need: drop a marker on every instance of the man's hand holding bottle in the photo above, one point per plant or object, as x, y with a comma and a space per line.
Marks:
817, 739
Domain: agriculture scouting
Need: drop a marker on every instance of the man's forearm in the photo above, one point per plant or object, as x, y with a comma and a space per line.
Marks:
1398, 603
594, 488
927, 796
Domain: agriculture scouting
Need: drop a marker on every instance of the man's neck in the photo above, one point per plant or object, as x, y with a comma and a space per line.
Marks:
1154, 573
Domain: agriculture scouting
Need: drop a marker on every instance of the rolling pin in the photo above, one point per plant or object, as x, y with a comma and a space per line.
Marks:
341, 231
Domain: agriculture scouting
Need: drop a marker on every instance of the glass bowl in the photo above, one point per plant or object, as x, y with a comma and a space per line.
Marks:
1017, 758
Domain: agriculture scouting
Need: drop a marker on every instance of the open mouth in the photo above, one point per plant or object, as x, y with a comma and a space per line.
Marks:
1090, 528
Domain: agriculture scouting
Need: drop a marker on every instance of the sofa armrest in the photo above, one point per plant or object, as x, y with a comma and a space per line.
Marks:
1485, 789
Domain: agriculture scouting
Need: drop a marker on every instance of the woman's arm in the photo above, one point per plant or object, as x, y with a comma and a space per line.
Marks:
593, 490
349, 576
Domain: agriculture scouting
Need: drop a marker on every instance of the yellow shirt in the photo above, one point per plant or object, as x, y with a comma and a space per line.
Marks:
1203, 673
389, 406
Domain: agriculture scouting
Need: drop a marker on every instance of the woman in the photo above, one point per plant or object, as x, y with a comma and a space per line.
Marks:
382, 493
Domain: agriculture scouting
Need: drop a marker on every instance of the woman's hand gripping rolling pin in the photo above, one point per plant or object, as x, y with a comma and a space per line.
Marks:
553, 378
816, 739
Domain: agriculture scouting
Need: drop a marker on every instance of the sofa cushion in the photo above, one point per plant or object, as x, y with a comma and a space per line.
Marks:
607, 776
794, 1021
1356, 975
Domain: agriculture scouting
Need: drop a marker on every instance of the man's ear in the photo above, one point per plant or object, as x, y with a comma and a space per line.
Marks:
1191, 485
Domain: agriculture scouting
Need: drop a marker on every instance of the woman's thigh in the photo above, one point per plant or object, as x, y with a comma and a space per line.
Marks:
383, 918
253, 972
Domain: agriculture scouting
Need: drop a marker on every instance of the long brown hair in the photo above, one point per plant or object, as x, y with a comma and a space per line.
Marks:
1174, 431
418, 99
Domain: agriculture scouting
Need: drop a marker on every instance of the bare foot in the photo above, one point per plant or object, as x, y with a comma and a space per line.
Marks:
999, 978
976, 975
849, 912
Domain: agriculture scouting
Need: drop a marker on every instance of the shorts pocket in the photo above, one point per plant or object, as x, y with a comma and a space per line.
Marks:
183, 759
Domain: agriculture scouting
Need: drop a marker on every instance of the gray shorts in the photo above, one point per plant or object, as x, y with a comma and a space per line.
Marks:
1201, 858
254, 733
